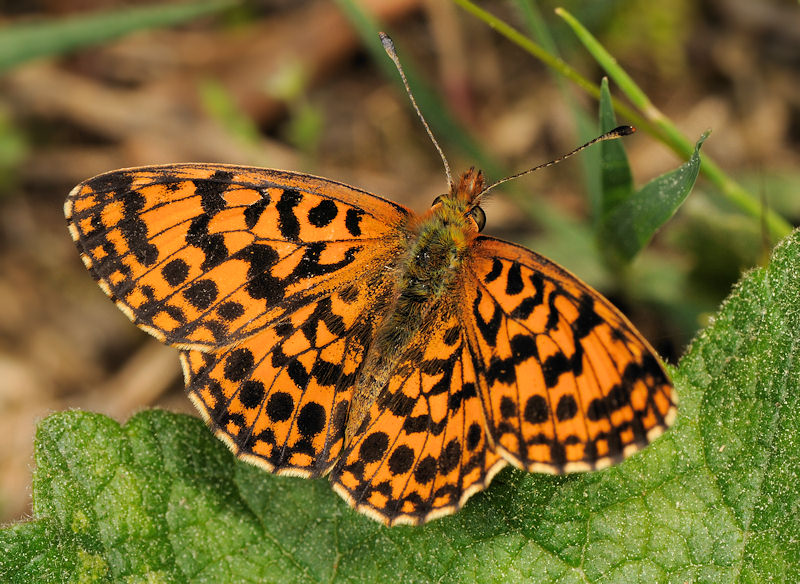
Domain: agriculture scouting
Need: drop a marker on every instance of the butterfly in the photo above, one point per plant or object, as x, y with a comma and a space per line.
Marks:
325, 331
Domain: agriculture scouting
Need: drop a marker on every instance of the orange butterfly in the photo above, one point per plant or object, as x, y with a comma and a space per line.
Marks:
326, 331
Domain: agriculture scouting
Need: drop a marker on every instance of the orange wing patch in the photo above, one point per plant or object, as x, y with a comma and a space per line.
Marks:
423, 450
203, 255
566, 381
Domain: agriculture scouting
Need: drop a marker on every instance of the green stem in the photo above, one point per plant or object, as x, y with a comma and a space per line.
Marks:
670, 134
652, 120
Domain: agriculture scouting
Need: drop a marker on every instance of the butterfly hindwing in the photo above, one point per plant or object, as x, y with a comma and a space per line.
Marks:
280, 398
203, 255
424, 449
566, 381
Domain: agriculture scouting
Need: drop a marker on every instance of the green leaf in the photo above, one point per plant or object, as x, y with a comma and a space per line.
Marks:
714, 500
20, 43
626, 228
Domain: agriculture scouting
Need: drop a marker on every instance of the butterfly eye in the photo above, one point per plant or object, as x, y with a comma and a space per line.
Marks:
478, 216
437, 200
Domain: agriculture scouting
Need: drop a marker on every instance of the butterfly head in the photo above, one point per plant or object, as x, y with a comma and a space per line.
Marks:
462, 200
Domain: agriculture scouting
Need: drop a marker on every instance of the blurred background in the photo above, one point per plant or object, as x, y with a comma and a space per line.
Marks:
293, 85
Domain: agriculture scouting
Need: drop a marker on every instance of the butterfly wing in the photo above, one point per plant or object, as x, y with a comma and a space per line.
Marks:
271, 282
424, 449
280, 398
205, 255
565, 380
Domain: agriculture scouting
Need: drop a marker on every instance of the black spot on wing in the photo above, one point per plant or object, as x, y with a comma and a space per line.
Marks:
426, 470
298, 373
352, 221
488, 328
373, 447
322, 214
554, 314
451, 455
508, 409
210, 191
587, 319
514, 283
474, 435
597, 410
201, 294
251, 393
326, 373
288, 224
524, 347
501, 370
311, 420
230, 310
134, 230
454, 400
494, 273
536, 410
401, 460
567, 408
553, 367
416, 424
238, 365
212, 245
280, 406
451, 336
260, 284
618, 397
309, 264
529, 304
398, 403
278, 358
175, 272
253, 212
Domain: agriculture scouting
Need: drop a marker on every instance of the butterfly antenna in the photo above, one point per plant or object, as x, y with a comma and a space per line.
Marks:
388, 46
617, 132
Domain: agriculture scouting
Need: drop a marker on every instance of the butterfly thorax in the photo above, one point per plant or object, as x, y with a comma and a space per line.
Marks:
439, 242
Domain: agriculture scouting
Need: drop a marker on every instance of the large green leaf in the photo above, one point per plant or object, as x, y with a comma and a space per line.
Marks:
715, 500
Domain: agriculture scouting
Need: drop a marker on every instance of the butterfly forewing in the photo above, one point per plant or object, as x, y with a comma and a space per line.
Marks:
203, 255
566, 381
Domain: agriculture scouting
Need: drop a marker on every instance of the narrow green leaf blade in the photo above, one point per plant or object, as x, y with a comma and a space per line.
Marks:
20, 43
627, 227
615, 172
